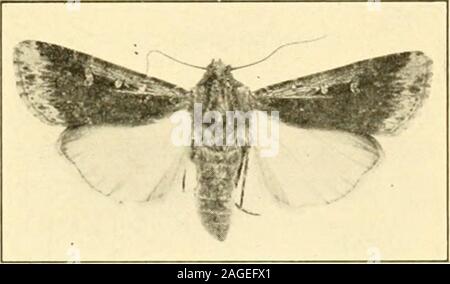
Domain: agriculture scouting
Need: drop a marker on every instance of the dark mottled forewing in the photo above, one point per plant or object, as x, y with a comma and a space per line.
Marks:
65, 87
375, 96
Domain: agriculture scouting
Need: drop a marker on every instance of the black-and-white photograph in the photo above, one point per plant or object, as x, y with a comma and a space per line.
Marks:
225, 132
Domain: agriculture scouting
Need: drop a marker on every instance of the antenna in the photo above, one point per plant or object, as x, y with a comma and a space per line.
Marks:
170, 57
276, 50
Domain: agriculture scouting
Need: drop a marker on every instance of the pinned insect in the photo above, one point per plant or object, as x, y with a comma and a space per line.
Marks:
330, 118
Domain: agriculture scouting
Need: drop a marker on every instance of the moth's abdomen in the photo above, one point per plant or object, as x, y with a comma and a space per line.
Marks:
215, 205
216, 174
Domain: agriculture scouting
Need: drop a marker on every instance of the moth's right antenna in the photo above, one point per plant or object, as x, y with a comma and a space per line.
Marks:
170, 57
276, 50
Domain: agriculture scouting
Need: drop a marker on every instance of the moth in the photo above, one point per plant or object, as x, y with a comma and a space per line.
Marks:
329, 117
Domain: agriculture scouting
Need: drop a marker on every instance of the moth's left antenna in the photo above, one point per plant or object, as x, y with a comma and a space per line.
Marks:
170, 57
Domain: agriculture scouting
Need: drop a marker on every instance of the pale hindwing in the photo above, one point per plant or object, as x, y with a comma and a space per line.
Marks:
315, 167
127, 163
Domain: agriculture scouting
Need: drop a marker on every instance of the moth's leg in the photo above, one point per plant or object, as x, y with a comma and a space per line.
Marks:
183, 181
238, 178
243, 169
167, 181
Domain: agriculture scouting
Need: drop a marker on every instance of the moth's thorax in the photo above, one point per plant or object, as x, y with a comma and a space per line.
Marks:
219, 91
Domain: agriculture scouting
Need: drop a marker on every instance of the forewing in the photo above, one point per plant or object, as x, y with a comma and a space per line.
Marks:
375, 96
314, 167
65, 87
127, 163
98, 102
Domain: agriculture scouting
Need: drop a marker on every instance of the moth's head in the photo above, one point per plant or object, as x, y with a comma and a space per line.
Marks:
217, 68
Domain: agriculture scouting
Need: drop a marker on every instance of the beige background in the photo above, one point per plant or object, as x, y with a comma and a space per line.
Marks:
47, 206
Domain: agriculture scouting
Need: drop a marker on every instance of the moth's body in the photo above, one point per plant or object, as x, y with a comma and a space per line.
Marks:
330, 118
218, 166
